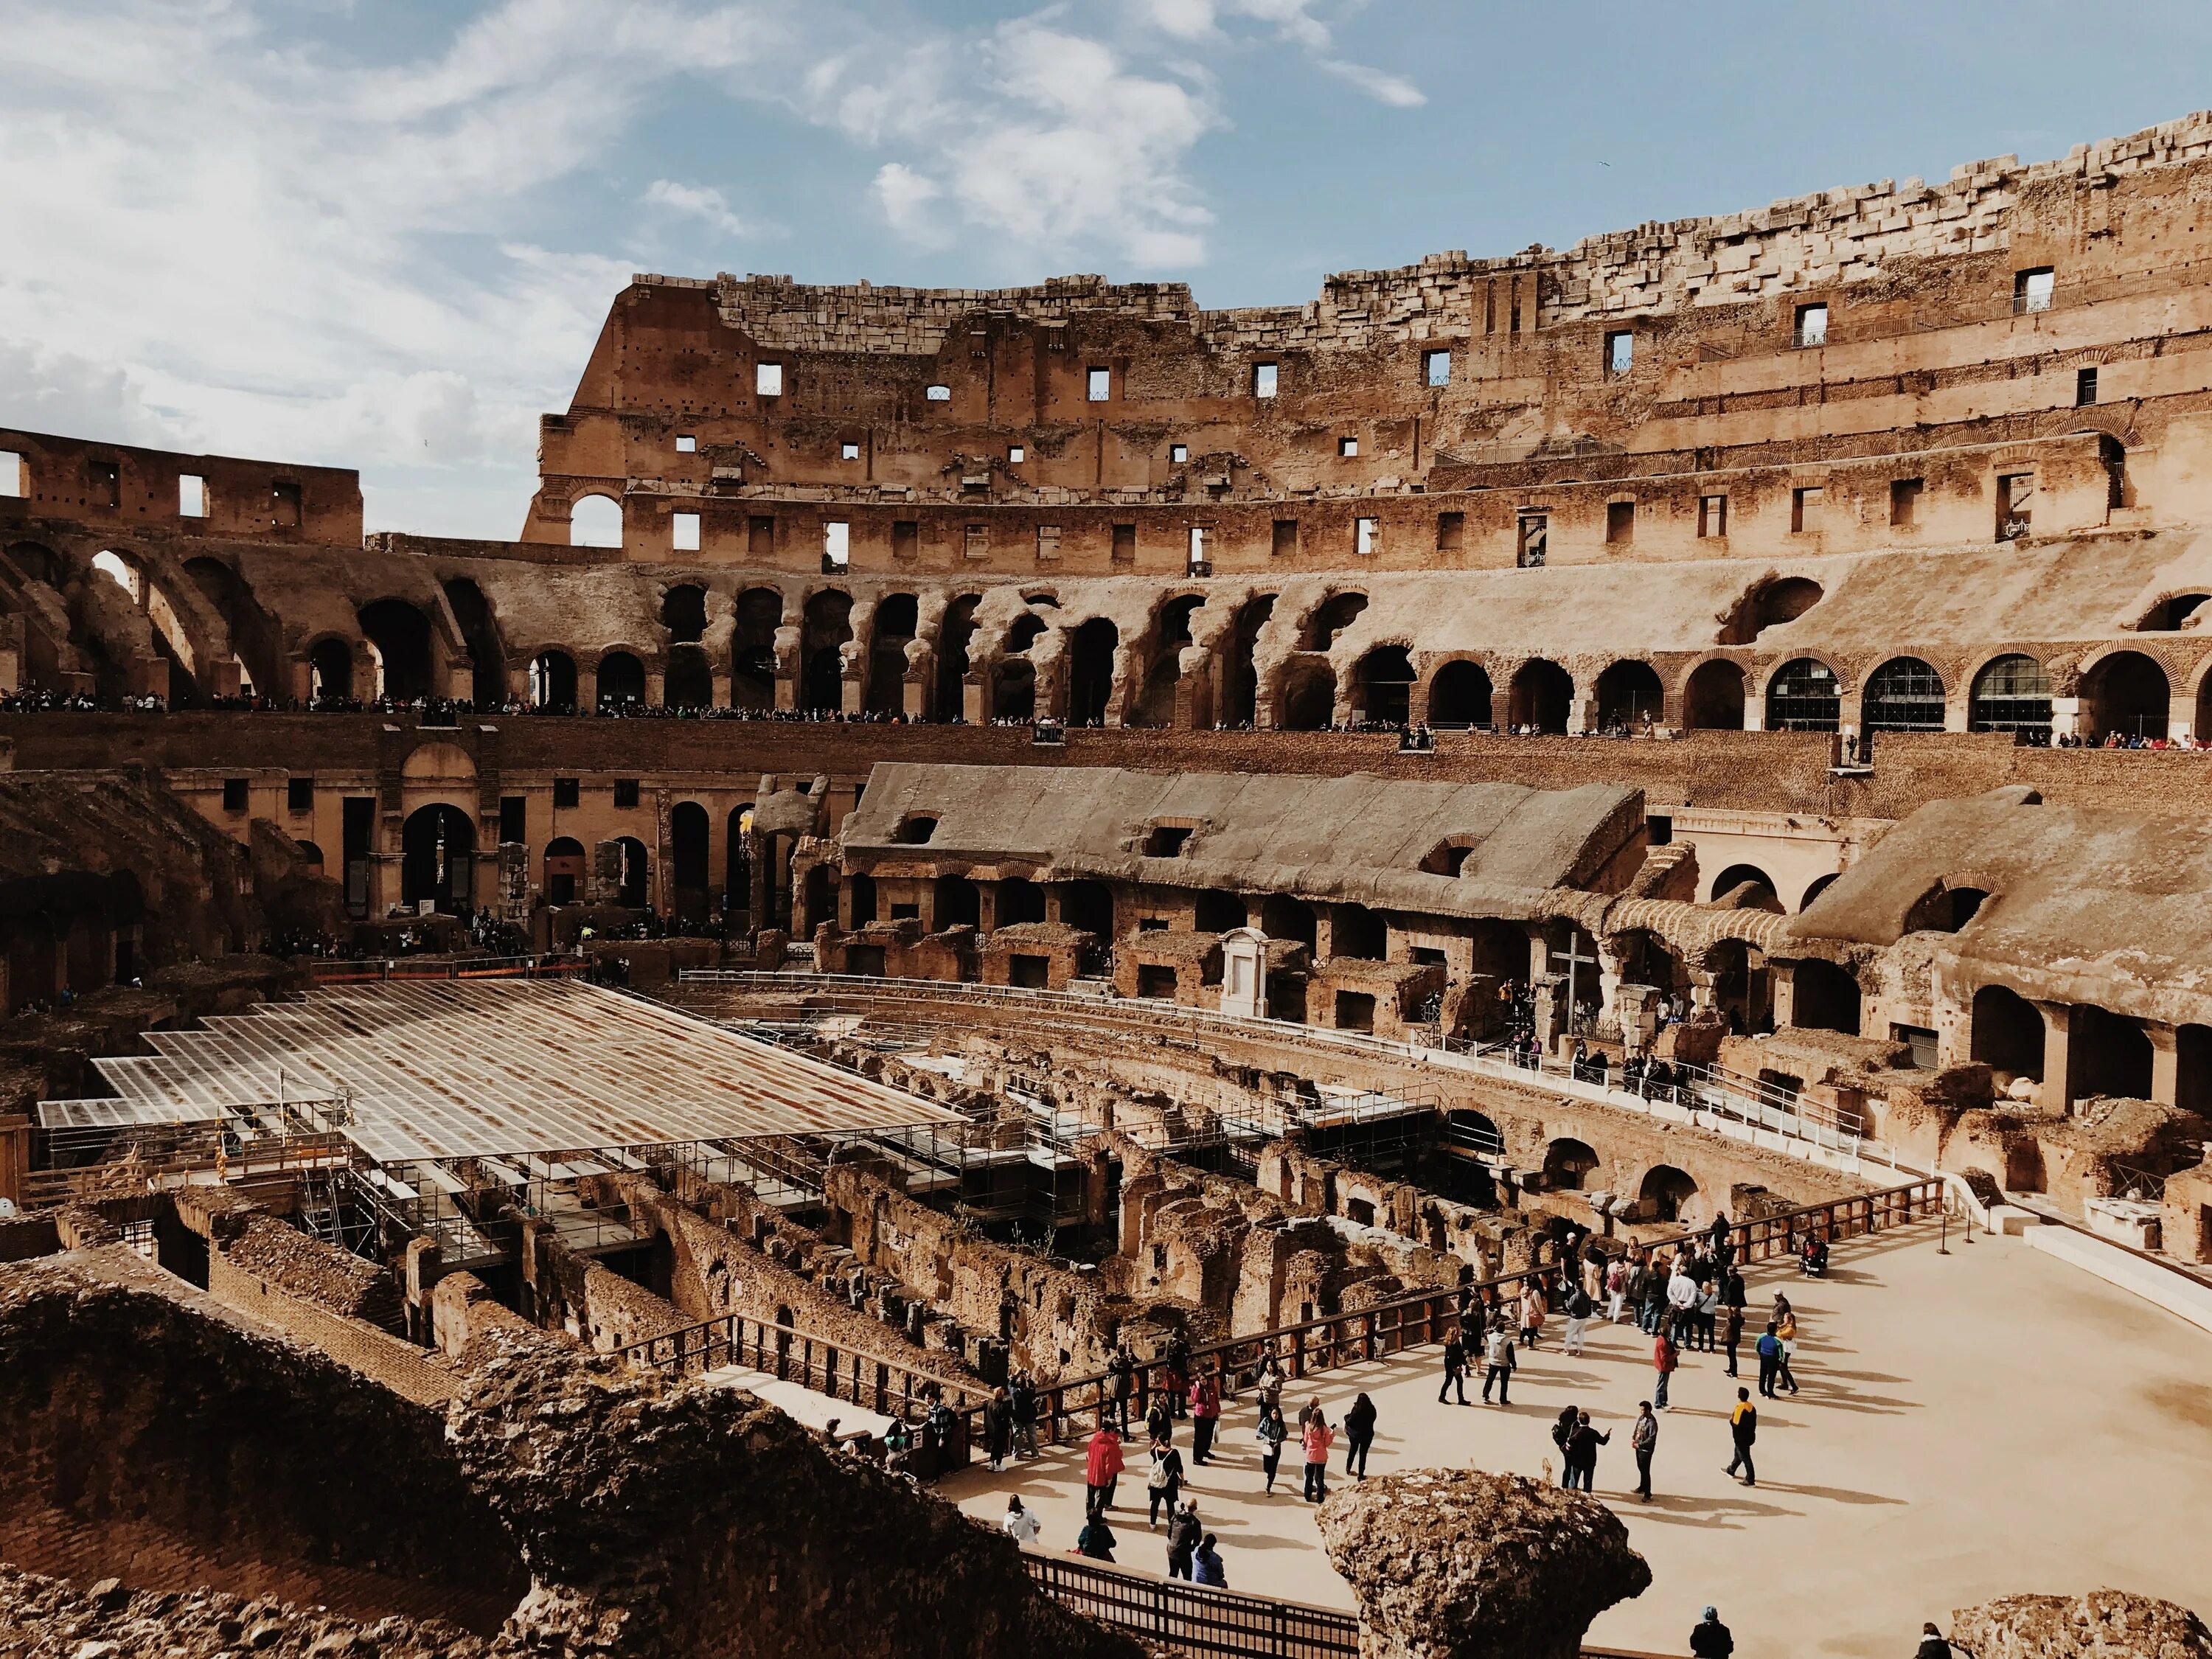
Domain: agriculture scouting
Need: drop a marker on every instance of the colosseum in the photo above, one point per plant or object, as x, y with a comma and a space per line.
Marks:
996, 879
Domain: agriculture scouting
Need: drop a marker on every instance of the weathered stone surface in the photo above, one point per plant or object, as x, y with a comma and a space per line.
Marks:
1462, 1564
2105, 1624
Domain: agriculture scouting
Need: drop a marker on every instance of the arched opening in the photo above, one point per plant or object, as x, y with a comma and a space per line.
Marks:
1903, 695
1713, 701
437, 858
1384, 679
480, 632
86, 954
1648, 959
1826, 998
689, 681
2170, 614
752, 648
595, 521
959, 902
1088, 905
683, 613
1358, 932
897, 622
621, 683
1330, 618
553, 682
1459, 696
2011, 694
1944, 908
400, 636
1629, 696
736, 863
2126, 695
564, 870
330, 672
2107, 1054
1568, 1163
955, 638
1819, 887
1308, 702
1761, 896
860, 897
828, 630
1155, 700
1804, 695
2008, 1032
2192, 1069
253, 637
1769, 604
1013, 690
687, 854
634, 889
1666, 1194
119, 570
1240, 673
1542, 695
1019, 901
1090, 671
1215, 910
1282, 916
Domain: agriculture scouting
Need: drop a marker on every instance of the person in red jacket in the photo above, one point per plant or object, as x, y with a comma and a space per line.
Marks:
1663, 1360
1100, 1469
1205, 1413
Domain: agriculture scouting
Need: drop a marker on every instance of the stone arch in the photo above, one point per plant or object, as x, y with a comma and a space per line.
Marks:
621, 681
1568, 1163
689, 681
1820, 886
1629, 695
1329, 619
1170, 634
955, 637
826, 630
595, 520
1906, 693
2125, 694
1737, 875
437, 861
565, 870
2174, 611
1305, 700
1091, 650
552, 681
1541, 696
2010, 692
687, 862
1804, 695
479, 626
752, 648
1769, 602
399, 638
254, 638
1013, 690
2008, 1032
1667, 1193
1382, 680
330, 670
1713, 696
1825, 997
1284, 916
1240, 673
1460, 694
683, 612
1020, 900
634, 875
897, 620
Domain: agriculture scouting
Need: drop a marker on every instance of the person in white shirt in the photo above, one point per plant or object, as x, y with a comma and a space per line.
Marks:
1021, 1525
1681, 1297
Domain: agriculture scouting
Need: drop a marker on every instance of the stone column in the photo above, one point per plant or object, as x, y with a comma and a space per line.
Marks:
2164, 1061
656, 688
2065, 717
2058, 1018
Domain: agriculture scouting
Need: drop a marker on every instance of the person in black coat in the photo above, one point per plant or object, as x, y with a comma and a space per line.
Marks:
1360, 1430
1932, 1644
1455, 1367
1710, 1639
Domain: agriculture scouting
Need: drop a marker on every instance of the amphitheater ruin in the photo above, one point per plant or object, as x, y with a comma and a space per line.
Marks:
985, 858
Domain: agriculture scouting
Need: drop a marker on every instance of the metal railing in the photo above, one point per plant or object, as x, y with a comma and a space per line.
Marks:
888, 1386
554, 964
1193, 1619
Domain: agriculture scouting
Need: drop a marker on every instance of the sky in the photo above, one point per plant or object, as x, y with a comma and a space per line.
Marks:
383, 233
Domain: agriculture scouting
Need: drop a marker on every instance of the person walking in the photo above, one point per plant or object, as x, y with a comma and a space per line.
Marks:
1499, 1362
1318, 1437
1101, 1466
1532, 1314
1025, 1404
1159, 1419
1743, 1429
999, 1428
1205, 1413
1655, 1298
1579, 1309
1359, 1434
1664, 1358
1455, 1367
1616, 1289
1122, 1372
1785, 1333
1582, 1451
1273, 1431
1020, 1524
1269, 1384
1770, 1360
1163, 1482
1734, 1325
1710, 1639
1183, 1534
1643, 1440
1932, 1644
1206, 1565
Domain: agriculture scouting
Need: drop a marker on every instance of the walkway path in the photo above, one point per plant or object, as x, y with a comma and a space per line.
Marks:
1971, 1425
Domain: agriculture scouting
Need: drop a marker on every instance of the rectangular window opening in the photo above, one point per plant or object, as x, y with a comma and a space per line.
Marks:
848, 452
1016, 454
1712, 515
1436, 367
1905, 502
1347, 447
837, 544
2032, 290
686, 444
14, 474
192, 495
1534, 530
568, 792
1199, 567
1804, 509
1286, 538
1178, 453
625, 794
760, 536
2085, 387
105, 479
2015, 495
1100, 386
299, 794
1264, 380
284, 505
1451, 531
1366, 535
1047, 541
684, 531
906, 538
1619, 351
233, 795
768, 380
977, 542
1619, 523
1125, 543
513, 818
1812, 327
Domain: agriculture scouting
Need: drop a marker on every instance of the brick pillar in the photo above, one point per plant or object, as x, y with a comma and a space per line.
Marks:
2057, 1017
2164, 1061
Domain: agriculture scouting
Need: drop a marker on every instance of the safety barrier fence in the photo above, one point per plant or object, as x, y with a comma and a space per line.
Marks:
553, 966
878, 1382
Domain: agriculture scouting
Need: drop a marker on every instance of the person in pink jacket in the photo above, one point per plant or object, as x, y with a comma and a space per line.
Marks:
1100, 1469
1319, 1438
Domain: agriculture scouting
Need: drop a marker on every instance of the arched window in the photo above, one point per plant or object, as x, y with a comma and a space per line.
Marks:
1629, 695
564, 870
1090, 671
1459, 694
595, 521
400, 634
683, 613
1904, 695
2011, 694
553, 682
1713, 700
622, 681
687, 850
437, 858
1804, 696
1385, 676
1332, 616
329, 672
2126, 695
1541, 696
689, 682
1308, 702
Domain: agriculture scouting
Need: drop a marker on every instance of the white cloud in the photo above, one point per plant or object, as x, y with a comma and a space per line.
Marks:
701, 201
1379, 84
1293, 21
906, 197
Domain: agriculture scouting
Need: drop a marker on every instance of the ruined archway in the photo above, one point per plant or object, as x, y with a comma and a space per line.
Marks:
621, 683
437, 863
1667, 1193
1713, 701
1090, 671
2126, 695
1630, 695
399, 634
2008, 1033
1460, 695
1385, 681
688, 859
1541, 696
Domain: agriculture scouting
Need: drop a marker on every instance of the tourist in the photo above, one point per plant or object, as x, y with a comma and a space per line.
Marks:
1664, 1359
1562, 1434
1159, 1419
1096, 1540
1205, 1413
1102, 1468
1785, 1334
998, 1427
1932, 1644
1578, 1318
1616, 1289
898, 1448
1021, 1525
1681, 1298
1770, 1360
1654, 1299
1582, 1451
1206, 1565
1183, 1534
1122, 1372
1455, 1367
1177, 1381
1025, 1406
1735, 1327
1743, 1429
1273, 1431
1643, 1440
1163, 1482
1710, 1638
1498, 1361
1318, 1437
1359, 1434
1532, 1313
1269, 1382
1705, 1317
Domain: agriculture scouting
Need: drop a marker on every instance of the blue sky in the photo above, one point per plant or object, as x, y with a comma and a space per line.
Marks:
383, 233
